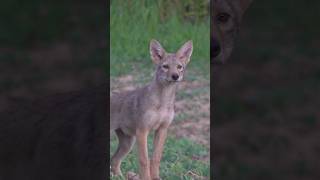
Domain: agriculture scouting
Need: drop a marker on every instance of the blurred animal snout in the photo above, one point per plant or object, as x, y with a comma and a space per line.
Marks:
175, 77
215, 48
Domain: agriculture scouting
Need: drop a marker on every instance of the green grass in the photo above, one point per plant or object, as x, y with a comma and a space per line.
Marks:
133, 28
176, 162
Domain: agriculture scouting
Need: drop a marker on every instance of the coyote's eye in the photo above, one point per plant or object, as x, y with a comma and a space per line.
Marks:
165, 66
223, 17
179, 67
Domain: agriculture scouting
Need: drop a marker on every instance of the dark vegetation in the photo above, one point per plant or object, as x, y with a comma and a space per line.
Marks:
266, 118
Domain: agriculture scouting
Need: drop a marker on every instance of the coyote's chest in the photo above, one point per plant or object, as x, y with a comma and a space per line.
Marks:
155, 117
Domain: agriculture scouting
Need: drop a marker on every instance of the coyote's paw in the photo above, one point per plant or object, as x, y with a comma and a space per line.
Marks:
115, 173
132, 176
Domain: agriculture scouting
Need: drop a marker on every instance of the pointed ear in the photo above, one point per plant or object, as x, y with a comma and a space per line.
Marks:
185, 52
156, 51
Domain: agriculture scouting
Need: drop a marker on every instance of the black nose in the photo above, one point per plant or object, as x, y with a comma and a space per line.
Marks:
215, 48
175, 77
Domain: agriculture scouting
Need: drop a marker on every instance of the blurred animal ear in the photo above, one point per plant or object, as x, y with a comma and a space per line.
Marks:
184, 53
156, 51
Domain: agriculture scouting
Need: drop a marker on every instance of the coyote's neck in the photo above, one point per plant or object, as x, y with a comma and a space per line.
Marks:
163, 93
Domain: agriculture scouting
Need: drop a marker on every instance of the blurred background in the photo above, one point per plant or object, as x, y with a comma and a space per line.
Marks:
48, 47
266, 117
172, 23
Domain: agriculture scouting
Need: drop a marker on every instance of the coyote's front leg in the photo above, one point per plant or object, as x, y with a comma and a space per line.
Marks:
142, 138
158, 142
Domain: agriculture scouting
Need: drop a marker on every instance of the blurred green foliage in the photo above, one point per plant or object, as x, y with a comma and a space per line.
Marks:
135, 23
195, 10
25, 23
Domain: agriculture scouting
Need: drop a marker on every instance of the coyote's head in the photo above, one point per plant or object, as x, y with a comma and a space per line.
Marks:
170, 66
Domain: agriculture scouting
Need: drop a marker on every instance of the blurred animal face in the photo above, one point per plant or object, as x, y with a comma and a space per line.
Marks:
170, 66
226, 18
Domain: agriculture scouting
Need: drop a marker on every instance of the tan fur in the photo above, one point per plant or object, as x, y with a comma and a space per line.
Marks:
226, 18
135, 113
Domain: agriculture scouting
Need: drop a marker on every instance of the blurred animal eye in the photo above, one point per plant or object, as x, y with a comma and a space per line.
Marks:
223, 17
179, 67
165, 66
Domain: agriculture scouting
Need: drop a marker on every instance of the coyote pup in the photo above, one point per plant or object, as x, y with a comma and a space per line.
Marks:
136, 113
